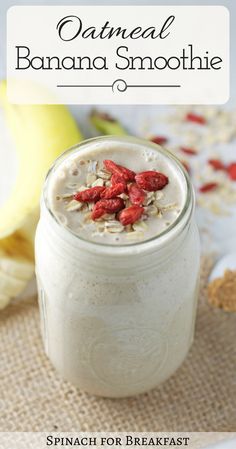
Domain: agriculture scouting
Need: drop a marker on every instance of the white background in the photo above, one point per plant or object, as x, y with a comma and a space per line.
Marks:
205, 28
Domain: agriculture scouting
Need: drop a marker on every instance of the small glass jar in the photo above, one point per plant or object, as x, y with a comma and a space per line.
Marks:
117, 320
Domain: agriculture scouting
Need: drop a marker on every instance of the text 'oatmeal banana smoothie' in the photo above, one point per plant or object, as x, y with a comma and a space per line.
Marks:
117, 256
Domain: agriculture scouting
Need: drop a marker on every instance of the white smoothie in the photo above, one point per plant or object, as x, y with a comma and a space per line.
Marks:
117, 318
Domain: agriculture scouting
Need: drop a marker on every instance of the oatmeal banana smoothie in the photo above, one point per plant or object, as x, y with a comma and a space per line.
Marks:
117, 257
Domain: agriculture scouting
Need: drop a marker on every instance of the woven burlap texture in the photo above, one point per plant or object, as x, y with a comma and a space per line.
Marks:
201, 396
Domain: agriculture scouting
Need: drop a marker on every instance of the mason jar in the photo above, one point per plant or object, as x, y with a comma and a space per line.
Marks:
117, 320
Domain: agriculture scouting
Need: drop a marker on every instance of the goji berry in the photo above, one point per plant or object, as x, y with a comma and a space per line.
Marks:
231, 169
97, 213
117, 179
90, 195
208, 187
189, 151
195, 118
136, 195
216, 164
159, 140
113, 191
151, 180
123, 172
109, 206
130, 215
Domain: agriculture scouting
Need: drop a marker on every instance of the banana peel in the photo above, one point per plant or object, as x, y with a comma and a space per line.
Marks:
40, 133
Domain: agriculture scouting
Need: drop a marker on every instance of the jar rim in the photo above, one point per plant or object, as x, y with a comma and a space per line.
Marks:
185, 213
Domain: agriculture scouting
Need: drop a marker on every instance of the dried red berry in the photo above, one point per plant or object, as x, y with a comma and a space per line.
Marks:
216, 164
159, 140
113, 191
195, 118
117, 179
208, 187
151, 180
231, 169
136, 195
89, 195
109, 206
188, 151
130, 215
123, 172
97, 213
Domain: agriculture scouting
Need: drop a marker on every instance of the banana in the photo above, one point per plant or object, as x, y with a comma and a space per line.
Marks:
41, 133
4, 301
14, 276
106, 124
16, 268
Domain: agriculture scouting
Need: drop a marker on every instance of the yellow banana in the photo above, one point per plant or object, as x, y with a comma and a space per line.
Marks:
41, 133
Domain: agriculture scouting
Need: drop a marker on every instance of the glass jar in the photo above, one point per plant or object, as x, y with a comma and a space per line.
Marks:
117, 320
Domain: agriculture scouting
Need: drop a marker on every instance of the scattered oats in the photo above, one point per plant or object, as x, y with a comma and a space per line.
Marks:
159, 195
123, 196
109, 217
129, 228
217, 209
226, 134
168, 207
82, 188
98, 182
85, 208
65, 196
159, 213
91, 178
128, 203
108, 183
73, 169
167, 223
100, 226
92, 166
104, 174
58, 197
73, 206
87, 218
151, 210
149, 198
90, 206
210, 138
191, 137
106, 217
211, 112
202, 201
140, 226
82, 162
113, 226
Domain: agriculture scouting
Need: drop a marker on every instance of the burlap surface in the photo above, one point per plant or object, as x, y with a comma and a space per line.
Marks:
201, 396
